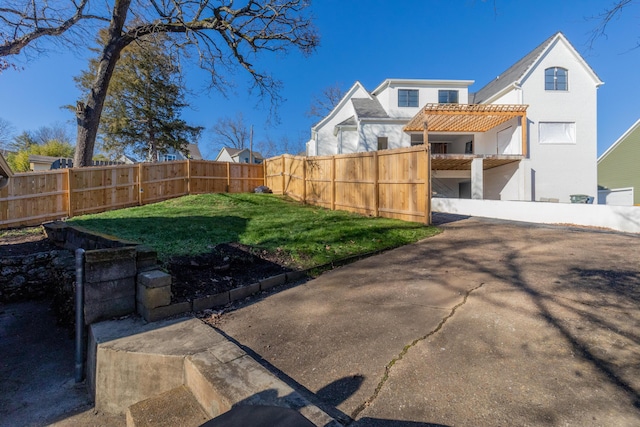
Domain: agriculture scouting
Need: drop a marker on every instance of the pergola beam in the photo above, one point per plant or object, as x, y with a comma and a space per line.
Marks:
468, 118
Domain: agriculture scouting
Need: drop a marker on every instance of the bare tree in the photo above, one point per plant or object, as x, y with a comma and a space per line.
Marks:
24, 22
606, 17
225, 34
6, 132
231, 132
323, 103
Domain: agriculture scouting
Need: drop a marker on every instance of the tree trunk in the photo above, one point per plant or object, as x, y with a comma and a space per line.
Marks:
88, 113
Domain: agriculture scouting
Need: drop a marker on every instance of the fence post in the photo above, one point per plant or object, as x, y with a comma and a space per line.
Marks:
228, 177
304, 180
284, 169
69, 193
188, 176
333, 183
376, 185
140, 189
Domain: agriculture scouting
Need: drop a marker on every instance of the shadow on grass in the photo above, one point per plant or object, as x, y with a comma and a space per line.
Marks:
181, 235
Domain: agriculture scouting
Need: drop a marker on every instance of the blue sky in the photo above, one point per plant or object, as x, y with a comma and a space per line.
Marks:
369, 41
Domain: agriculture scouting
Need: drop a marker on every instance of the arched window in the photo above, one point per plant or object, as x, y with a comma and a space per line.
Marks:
556, 78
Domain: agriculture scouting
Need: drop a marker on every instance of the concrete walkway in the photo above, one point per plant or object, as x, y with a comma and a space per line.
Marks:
489, 323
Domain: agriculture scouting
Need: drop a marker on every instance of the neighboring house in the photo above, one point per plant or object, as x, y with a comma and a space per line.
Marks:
236, 155
5, 172
192, 152
126, 160
530, 134
619, 169
45, 163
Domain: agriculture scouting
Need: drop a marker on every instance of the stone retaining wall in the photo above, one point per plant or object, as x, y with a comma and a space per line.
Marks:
35, 276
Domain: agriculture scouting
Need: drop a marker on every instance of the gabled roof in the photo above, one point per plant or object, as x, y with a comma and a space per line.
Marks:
515, 73
347, 96
235, 152
369, 108
232, 151
351, 121
194, 152
620, 140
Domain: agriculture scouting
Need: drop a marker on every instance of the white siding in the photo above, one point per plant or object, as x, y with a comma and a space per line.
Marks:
560, 170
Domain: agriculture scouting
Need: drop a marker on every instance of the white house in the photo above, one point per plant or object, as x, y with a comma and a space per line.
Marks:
530, 134
192, 152
236, 155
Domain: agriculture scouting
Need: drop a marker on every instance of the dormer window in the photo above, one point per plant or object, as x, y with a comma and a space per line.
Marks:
556, 78
407, 97
447, 96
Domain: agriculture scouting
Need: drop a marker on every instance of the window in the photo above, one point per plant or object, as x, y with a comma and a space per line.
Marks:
557, 133
448, 96
407, 97
417, 139
169, 157
383, 143
468, 147
556, 78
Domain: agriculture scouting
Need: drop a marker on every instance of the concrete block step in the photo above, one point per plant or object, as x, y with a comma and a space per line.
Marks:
225, 376
176, 407
130, 361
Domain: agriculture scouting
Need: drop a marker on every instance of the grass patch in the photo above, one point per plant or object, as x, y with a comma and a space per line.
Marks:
21, 232
311, 236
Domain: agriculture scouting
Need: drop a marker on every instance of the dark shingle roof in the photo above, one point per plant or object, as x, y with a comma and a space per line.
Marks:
369, 108
512, 74
351, 121
194, 152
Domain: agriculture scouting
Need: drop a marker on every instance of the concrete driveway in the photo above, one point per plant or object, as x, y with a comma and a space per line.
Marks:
487, 324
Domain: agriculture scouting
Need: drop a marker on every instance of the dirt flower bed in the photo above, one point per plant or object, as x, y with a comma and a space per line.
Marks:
227, 266
24, 244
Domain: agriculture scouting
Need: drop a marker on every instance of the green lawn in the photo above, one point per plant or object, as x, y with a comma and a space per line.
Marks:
312, 236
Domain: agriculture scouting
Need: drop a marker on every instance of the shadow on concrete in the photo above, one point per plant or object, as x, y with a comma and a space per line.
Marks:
575, 289
37, 383
441, 218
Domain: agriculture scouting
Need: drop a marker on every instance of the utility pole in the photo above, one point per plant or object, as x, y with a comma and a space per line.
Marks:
251, 146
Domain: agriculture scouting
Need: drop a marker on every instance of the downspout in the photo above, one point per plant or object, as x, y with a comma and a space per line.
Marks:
79, 358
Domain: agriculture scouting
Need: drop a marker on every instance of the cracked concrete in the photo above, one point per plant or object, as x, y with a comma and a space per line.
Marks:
405, 350
488, 323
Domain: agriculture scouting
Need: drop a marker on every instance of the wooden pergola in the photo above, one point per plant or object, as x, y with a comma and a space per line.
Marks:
467, 118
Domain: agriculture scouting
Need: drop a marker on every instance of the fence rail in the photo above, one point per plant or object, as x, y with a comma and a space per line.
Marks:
389, 183
36, 197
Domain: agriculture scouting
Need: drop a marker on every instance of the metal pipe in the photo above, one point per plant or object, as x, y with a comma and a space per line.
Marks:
79, 315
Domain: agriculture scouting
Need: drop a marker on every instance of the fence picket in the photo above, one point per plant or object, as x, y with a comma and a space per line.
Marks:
36, 197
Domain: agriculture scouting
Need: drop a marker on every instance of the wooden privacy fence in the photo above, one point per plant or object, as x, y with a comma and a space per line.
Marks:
34, 198
388, 183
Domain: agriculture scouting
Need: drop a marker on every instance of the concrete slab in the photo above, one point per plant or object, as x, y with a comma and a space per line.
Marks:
488, 323
36, 367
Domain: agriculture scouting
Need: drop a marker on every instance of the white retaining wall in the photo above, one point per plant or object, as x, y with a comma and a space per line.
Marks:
620, 218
